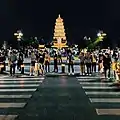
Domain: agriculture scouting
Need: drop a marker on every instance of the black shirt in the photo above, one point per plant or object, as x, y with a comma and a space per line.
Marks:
106, 61
41, 58
70, 58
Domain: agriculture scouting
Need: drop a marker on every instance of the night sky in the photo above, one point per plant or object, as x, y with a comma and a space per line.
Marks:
37, 18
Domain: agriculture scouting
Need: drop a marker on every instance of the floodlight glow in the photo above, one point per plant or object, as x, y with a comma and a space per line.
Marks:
99, 34
104, 34
20, 34
85, 38
15, 34
101, 37
101, 40
89, 38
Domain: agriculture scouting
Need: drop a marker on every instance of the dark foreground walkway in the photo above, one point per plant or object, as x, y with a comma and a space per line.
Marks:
59, 98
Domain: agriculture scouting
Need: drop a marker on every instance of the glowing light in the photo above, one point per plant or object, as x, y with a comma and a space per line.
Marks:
99, 34
104, 34
19, 34
89, 38
15, 34
101, 37
59, 34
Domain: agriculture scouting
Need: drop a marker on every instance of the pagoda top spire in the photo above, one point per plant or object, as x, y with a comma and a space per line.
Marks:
59, 16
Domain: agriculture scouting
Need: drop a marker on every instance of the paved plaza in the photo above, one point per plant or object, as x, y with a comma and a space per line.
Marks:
56, 98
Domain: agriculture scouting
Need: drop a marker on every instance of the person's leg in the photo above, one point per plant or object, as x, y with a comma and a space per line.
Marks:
109, 72
61, 59
68, 67
20, 65
54, 65
105, 72
101, 68
81, 68
94, 67
14, 69
90, 68
57, 67
114, 74
11, 69
45, 66
87, 68
72, 67
31, 68
48, 67
4, 66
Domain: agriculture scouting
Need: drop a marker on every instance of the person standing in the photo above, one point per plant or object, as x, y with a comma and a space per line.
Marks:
47, 62
70, 59
59, 56
2, 63
55, 62
12, 61
117, 73
88, 60
82, 63
20, 60
3, 60
94, 61
114, 66
107, 65
41, 62
33, 60
100, 63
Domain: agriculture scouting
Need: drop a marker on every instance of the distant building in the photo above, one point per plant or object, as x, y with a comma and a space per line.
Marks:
59, 39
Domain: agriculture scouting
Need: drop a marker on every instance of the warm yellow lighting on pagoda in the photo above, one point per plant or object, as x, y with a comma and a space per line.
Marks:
59, 34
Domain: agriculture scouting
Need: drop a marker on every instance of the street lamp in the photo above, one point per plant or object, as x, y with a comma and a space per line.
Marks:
101, 35
19, 35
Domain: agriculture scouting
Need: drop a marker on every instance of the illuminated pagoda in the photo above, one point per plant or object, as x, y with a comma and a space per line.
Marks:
59, 39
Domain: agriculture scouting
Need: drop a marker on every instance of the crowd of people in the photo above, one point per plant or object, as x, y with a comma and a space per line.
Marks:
103, 61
